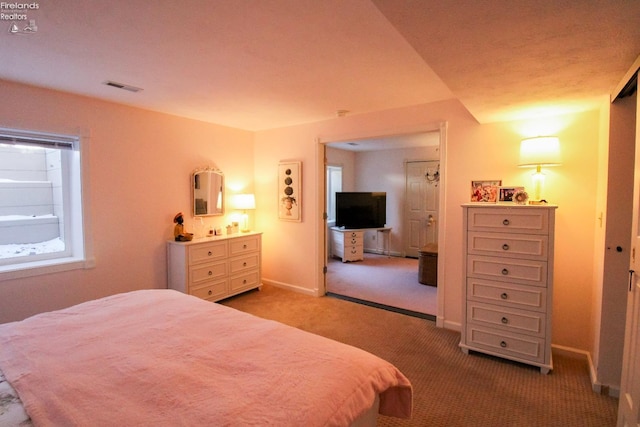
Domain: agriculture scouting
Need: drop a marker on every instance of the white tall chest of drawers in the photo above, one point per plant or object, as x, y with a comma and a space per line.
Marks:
508, 271
214, 268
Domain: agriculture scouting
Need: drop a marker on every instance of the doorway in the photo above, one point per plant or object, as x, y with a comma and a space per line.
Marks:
380, 164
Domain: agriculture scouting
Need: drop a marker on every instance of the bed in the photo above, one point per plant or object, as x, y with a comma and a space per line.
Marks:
159, 357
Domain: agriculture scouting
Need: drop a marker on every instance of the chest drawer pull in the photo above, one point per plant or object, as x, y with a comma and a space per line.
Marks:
354, 241
210, 292
504, 271
210, 273
505, 247
505, 222
505, 320
353, 234
209, 253
504, 295
503, 344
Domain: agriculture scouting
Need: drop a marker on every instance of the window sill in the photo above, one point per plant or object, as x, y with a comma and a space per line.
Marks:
37, 268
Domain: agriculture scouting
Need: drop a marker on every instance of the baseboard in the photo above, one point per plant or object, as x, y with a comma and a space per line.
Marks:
596, 386
287, 286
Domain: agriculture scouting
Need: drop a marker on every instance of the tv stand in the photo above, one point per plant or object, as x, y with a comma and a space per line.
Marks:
348, 243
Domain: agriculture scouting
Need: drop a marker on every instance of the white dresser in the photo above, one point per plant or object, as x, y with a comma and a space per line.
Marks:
214, 268
347, 244
508, 268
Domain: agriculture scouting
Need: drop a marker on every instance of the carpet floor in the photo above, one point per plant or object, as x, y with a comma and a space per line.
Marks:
450, 388
391, 281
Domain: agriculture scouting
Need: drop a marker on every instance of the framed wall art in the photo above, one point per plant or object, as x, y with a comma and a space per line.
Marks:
485, 191
290, 191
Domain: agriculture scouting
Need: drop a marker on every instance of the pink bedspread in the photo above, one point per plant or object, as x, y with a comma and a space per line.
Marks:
158, 357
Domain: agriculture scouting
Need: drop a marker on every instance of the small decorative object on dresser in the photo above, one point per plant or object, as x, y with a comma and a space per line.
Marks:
521, 197
215, 268
508, 271
178, 231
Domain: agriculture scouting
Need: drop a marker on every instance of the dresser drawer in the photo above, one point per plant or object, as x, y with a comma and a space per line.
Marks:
243, 245
507, 319
211, 291
529, 246
241, 282
354, 237
527, 272
509, 220
353, 253
520, 347
506, 294
207, 272
207, 252
237, 265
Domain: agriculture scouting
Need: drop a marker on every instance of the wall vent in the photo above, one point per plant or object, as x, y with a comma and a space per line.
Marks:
122, 86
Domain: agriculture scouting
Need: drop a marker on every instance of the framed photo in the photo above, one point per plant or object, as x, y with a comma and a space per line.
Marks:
505, 194
485, 191
290, 191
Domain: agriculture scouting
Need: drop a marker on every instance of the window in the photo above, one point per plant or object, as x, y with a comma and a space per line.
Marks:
40, 203
334, 185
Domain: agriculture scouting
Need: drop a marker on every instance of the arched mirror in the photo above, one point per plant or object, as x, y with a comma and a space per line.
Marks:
208, 192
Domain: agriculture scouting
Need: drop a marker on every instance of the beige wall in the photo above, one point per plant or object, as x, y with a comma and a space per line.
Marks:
139, 168
293, 250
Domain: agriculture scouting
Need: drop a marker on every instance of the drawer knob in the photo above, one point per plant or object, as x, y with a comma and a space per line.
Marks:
210, 292
210, 273
353, 241
505, 320
505, 247
209, 253
504, 295
505, 221
503, 344
505, 272
244, 282
353, 234
244, 264
244, 246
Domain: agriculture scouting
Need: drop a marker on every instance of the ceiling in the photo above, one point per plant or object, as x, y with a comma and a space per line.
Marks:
260, 64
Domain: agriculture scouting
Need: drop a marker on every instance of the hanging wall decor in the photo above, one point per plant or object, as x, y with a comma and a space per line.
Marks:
290, 191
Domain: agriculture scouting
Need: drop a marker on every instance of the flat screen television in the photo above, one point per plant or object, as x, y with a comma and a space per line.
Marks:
361, 209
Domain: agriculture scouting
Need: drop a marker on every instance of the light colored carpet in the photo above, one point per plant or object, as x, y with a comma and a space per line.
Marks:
391, 281
450, 388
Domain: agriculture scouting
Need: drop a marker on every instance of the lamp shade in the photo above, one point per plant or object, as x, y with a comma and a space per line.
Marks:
540, 151
244, 201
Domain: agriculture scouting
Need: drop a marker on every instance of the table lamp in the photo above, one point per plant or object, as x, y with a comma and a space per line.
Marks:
539, 151
243, 202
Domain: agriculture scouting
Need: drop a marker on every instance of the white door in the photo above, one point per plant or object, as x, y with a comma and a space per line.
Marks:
629, 406
421, 213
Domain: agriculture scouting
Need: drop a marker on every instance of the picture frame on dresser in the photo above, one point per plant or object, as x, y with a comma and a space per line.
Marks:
505, 194
485, 191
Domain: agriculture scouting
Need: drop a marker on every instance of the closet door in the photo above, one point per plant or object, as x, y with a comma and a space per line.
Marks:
629, 406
